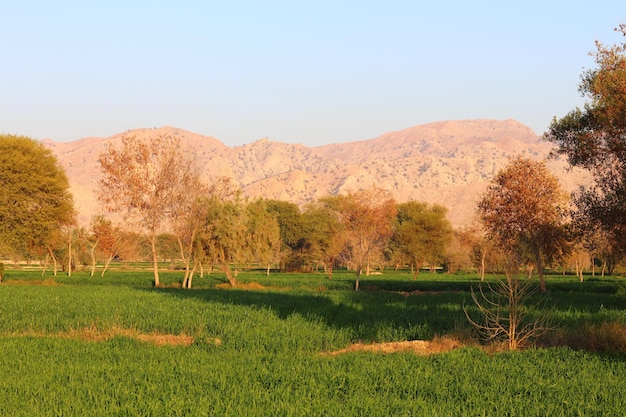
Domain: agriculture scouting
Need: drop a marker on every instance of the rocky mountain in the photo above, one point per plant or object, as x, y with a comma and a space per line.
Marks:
448, 163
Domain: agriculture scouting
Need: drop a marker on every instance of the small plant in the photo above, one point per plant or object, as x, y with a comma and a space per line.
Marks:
504, 311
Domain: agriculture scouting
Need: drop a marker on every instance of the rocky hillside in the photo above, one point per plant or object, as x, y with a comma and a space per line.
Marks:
448, 163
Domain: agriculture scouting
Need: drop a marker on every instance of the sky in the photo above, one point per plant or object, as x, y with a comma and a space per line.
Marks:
310, 72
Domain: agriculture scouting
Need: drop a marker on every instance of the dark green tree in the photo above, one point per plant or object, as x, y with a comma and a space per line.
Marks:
594, 138
35, 200
421, 233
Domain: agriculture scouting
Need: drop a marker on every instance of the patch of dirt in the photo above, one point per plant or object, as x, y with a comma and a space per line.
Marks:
45, 282
419, 347
93, 334
250, 286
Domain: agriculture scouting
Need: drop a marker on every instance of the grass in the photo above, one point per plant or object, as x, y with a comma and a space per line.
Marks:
263, 351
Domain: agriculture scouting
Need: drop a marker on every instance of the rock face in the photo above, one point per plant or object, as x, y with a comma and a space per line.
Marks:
448, 163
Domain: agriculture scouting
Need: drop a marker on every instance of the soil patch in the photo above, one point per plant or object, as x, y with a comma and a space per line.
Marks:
250, 286
93, 334
420, 347
45, 282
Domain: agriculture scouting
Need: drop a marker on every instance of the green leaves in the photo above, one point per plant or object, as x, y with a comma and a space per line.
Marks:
34, 196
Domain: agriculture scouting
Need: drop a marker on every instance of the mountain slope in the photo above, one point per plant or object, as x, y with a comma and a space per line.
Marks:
448, 163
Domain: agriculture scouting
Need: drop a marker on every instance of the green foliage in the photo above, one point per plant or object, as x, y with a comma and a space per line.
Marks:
594, 138
272, 357
34, 196
421, 233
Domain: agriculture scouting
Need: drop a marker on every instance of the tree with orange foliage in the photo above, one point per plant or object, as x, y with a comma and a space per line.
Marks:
523, 211
367, 217
147, 180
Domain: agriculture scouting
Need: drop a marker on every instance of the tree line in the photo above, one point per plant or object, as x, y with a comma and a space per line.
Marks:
524, 219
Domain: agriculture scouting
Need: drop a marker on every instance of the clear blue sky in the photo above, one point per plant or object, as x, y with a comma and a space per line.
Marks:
310, 72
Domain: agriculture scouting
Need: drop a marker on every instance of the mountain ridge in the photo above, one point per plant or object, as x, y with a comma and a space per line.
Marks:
447, 162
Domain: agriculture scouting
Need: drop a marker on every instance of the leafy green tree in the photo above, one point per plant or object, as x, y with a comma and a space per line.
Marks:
594, 138
421, 233
263, 240
523, 211
325, 235
223, 234
35, 200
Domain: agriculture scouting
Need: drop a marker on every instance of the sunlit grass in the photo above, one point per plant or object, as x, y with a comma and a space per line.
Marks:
74, 346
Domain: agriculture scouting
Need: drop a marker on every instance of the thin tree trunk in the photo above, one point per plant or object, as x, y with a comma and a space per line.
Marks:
93, 258
482, 265
542, 281
54, 260
45, 265
359, 270
69, 255
106, 265
155, 260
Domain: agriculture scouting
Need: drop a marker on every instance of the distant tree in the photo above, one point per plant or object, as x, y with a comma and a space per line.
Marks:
223, 233
263, 241
366, 216
292, 234
422, 233
594, 138
35, 200
523, 210
325, 234
147, 180
460, 250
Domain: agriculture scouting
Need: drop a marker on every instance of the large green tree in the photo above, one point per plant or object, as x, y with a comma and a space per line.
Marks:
35, 200
594, 138
421, 233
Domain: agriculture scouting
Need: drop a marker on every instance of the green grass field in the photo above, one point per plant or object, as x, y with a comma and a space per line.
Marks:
117, 346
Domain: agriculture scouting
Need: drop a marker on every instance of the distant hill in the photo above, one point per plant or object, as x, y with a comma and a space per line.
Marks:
449, 163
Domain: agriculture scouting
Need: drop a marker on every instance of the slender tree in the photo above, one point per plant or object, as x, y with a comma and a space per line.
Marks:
146, 180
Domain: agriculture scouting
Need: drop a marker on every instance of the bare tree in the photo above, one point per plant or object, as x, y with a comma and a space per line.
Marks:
504, 310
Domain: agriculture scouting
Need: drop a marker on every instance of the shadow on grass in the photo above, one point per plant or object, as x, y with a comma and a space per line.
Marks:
368, 315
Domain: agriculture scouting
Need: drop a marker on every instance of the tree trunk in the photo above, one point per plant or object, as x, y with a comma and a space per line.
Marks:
106, 265
359, 270
267, 274
45, 265
54, 260
93, 258
542, 281
69, 256
155, 260
483, 256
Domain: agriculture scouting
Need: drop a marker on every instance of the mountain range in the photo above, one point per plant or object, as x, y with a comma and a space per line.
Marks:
448, 163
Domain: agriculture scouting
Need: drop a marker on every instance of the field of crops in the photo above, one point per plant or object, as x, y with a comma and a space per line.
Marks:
117, 346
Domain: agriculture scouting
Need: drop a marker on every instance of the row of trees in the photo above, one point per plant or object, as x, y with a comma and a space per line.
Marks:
156, 187
207, 225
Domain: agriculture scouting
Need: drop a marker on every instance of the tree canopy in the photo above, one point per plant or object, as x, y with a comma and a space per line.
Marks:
523, 211
421, 233
594, 138
35, 200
